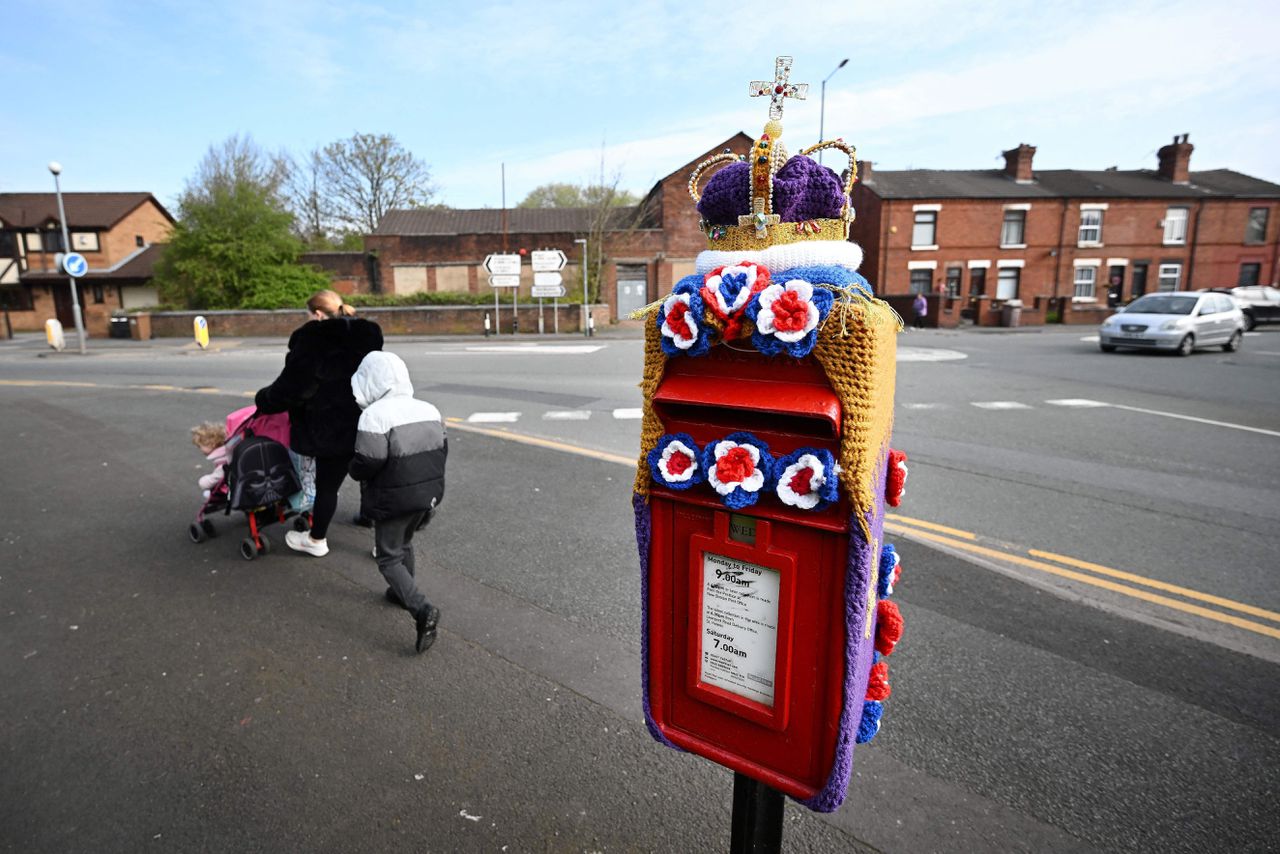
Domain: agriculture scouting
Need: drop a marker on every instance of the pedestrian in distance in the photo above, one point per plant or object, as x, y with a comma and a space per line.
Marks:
399, 460
315, 389
921, 308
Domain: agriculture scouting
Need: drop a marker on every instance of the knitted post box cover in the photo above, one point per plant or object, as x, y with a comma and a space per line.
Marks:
780, 277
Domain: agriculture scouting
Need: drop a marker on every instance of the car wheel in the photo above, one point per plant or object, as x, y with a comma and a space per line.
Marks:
1249, 322
1107, 348
1186, 345
1233, 344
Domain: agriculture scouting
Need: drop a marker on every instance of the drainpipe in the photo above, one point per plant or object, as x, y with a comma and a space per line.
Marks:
1195, 235
1062, 237
884, 244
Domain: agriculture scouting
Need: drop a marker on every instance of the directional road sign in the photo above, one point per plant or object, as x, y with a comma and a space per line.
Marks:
547, 279
502, 264
548, 291
504, 280
548, 260
74, 264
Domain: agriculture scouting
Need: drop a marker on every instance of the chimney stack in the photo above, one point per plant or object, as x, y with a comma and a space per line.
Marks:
1017, 163
1175, 160
864, 172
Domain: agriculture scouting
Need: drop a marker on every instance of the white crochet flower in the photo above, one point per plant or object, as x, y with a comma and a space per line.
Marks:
795, 315
743, 296
684, 334
674, 447
814, 475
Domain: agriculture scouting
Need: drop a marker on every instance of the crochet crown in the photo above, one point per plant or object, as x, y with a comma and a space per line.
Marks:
765, 198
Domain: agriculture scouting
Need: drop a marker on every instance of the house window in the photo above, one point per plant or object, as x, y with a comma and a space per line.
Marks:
1013, 232
1170, 277
977, 281
953, 281
925, 230
1090, 227
1249, 275
1175, 226
84, 241
138, 241
98, 295
921, 281
1256, 230
1007, 283
1086, 283
16, 298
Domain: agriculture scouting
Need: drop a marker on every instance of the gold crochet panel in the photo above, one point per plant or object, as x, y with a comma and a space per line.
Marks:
745, 238
857, 349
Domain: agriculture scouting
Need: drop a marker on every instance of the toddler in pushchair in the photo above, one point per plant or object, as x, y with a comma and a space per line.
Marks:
255, 474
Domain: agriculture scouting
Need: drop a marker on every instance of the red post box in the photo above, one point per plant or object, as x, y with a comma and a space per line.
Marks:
761, 489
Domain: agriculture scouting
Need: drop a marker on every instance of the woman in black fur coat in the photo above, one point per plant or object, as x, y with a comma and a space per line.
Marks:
315, 389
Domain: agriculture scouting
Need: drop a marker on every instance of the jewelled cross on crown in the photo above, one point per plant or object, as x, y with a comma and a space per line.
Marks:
779, 88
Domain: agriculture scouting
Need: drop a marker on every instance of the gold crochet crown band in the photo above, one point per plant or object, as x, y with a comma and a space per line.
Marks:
763, 226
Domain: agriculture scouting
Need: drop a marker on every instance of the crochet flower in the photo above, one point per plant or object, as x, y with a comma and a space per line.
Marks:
807, 479
729, 289
680, 321
890, 571
787, 317
738, 468
674, 461
895, 482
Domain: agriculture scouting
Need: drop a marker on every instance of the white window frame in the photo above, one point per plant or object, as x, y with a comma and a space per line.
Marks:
85, 241
911, 288
1169, 271
1004, 223
33, 242
1175, 226
1091, 228
916, 212
1086, 283
1001, 293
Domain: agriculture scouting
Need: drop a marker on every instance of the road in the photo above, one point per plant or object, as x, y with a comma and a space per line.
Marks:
169, 694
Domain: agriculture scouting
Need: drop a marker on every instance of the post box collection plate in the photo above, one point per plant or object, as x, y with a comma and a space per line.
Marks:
762, 482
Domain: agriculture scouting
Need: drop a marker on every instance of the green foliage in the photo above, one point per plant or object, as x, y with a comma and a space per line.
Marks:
233, 246
563, 195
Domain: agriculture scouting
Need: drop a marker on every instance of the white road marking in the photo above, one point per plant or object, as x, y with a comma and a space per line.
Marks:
538, 349
1093, 339
628, 414
493, 417
928, 354
1209, 421
1264, 353
921, 405
567, 415
1076, 401
999, 404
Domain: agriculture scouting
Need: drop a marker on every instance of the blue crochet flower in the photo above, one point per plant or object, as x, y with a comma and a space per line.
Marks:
739, 467
674, 461
681, 322
872, 711
807, 479
888, 563
787, 315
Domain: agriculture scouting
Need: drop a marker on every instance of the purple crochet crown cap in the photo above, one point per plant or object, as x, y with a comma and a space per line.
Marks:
803, 189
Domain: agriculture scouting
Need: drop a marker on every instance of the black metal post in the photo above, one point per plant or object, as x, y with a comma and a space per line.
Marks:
757, 817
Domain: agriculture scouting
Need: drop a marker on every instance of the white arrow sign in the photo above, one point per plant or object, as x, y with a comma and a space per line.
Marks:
503, 265
548, 260
504, 280
548, 291
547, 279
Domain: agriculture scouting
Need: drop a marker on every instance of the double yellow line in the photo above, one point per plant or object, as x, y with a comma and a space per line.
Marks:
1094, 575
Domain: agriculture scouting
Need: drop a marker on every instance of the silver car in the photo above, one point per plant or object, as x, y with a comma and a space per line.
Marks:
1178, 320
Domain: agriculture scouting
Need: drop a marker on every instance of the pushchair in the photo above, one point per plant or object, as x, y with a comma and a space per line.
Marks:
263, 479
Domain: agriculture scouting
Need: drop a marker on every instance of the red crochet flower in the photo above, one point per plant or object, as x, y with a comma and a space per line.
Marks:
888, 626
790, 312
878, 684
895, 482
735, 466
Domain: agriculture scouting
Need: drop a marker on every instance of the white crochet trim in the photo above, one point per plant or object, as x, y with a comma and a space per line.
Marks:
838, 253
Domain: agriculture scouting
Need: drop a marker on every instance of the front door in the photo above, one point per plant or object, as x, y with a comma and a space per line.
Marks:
62, 303
1115, 285
1139, 280
633, 288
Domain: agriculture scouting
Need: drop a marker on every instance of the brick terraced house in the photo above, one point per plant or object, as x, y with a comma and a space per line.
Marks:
1067, 243
121, 236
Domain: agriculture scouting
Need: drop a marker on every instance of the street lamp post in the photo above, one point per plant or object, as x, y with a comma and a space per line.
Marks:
822, 110
583, 241
56, 168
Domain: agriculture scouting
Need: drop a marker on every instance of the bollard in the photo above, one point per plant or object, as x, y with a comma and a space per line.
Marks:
487, 330
53, 334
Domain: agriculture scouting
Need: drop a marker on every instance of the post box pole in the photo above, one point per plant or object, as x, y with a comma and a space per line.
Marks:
757, 817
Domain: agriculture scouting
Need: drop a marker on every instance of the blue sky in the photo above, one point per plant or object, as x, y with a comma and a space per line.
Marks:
129, 96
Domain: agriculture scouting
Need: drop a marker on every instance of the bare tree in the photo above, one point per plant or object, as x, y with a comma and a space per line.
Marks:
369, 174
237, 162
312, 211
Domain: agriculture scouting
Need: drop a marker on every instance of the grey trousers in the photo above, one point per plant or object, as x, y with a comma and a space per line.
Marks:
394, 539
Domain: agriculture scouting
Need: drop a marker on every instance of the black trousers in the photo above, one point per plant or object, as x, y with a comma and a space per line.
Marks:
330, 472
394, 539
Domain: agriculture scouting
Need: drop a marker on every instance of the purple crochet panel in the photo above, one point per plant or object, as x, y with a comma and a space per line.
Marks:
859, 651
727, 195
803, 189
643, 528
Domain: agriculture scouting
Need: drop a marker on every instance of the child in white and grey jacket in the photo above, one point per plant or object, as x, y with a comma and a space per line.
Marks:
399, 460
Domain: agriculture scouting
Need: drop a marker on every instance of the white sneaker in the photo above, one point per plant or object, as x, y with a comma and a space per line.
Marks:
300, 541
